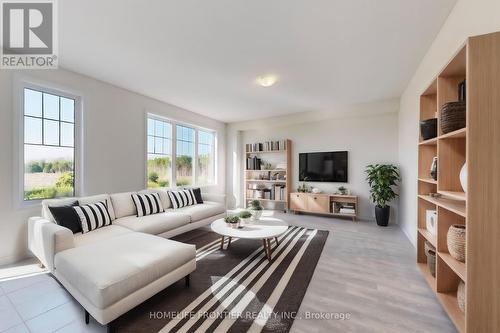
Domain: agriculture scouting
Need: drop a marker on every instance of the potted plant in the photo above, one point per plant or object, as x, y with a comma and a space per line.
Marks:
232, 220
245, 216
304, 188
382, 178
256, 209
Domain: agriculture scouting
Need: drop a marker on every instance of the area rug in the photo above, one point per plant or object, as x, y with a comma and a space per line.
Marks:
236, 289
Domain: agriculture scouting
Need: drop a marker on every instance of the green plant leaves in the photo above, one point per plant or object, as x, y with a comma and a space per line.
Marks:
381, 178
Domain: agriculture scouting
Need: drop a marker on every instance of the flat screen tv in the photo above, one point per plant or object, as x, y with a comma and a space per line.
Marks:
323, 167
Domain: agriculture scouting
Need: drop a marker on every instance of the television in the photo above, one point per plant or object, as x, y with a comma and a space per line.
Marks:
323, 167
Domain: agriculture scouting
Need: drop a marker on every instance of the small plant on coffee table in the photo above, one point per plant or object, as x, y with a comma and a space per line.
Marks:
232, 220
256, 209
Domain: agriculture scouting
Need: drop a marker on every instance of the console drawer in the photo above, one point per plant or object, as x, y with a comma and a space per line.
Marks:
318, 203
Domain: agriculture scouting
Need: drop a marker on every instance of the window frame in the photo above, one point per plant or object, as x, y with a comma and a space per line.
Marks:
173, 171
20, 84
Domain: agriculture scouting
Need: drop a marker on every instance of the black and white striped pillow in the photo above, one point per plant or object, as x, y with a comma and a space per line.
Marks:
147, 204
93, 216
182, 198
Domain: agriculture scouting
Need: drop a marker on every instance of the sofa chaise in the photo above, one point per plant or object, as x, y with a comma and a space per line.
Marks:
112, 269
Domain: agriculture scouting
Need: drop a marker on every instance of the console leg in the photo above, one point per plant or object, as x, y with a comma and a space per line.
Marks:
87, 317
186, 279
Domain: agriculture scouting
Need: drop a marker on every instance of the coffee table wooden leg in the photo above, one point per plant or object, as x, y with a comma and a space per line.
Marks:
276, 239
270, 249
222, 243
267, 249
229, 243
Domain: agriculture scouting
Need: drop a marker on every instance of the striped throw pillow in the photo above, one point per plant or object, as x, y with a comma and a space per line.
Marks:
93, 216
182, 198
147, 204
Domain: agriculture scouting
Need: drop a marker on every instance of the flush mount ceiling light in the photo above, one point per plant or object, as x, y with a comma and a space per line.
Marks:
267, 80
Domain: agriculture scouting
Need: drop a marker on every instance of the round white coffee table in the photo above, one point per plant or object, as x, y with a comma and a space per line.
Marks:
266, 228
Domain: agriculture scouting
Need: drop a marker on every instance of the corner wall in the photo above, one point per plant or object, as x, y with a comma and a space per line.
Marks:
468, 18
113, 148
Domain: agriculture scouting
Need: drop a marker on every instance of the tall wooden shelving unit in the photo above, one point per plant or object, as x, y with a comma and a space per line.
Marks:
285, 156
478, 144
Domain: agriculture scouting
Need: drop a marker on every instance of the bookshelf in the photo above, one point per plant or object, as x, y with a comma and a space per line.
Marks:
477, 62
267, 174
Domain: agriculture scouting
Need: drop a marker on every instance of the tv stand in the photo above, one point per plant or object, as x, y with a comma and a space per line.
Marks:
322, 203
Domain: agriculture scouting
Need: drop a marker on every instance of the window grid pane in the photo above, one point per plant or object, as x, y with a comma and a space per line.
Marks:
159, 163
206, 161
49, 138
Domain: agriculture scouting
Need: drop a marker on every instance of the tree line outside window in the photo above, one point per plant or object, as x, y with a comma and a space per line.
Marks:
192, 146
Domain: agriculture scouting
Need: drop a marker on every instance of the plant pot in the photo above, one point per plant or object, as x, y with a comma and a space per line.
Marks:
428, 128
245, 221
382, 215
234, 225
256, 214
455, 239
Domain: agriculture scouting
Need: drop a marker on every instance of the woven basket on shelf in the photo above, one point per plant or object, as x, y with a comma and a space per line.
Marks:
430, 253
455, 240
452, 116
461, 296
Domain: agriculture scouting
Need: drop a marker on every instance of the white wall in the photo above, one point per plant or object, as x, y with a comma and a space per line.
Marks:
114, 144
468, 18
368, 132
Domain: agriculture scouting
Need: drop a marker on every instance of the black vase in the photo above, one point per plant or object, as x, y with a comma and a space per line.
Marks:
382, 215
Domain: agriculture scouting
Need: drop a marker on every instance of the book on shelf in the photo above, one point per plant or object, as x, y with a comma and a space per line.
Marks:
275, 192
347, 211
253, 163
277, 145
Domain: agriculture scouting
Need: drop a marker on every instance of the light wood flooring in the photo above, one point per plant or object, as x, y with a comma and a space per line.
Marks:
366, 271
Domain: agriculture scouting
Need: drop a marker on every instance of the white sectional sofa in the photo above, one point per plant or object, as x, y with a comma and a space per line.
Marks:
112, 269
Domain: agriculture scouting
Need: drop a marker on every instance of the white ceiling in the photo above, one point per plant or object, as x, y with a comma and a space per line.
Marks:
204, 56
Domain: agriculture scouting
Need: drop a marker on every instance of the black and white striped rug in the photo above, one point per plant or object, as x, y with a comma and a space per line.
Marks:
236, 289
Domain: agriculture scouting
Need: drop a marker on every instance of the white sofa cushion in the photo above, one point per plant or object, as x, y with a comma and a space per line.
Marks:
202, 211
99, 235
154, 224
123, 204
106, 272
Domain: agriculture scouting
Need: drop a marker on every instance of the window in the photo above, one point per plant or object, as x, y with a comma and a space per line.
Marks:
206, 157
193, 154
49, 145
159, 153
184, 155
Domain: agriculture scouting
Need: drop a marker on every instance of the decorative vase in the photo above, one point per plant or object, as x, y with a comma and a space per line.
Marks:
382, 215
461, 296
431, 221
431, 261
434, 168
455, 239
235, 225
315, 190
463, 177
428, 128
